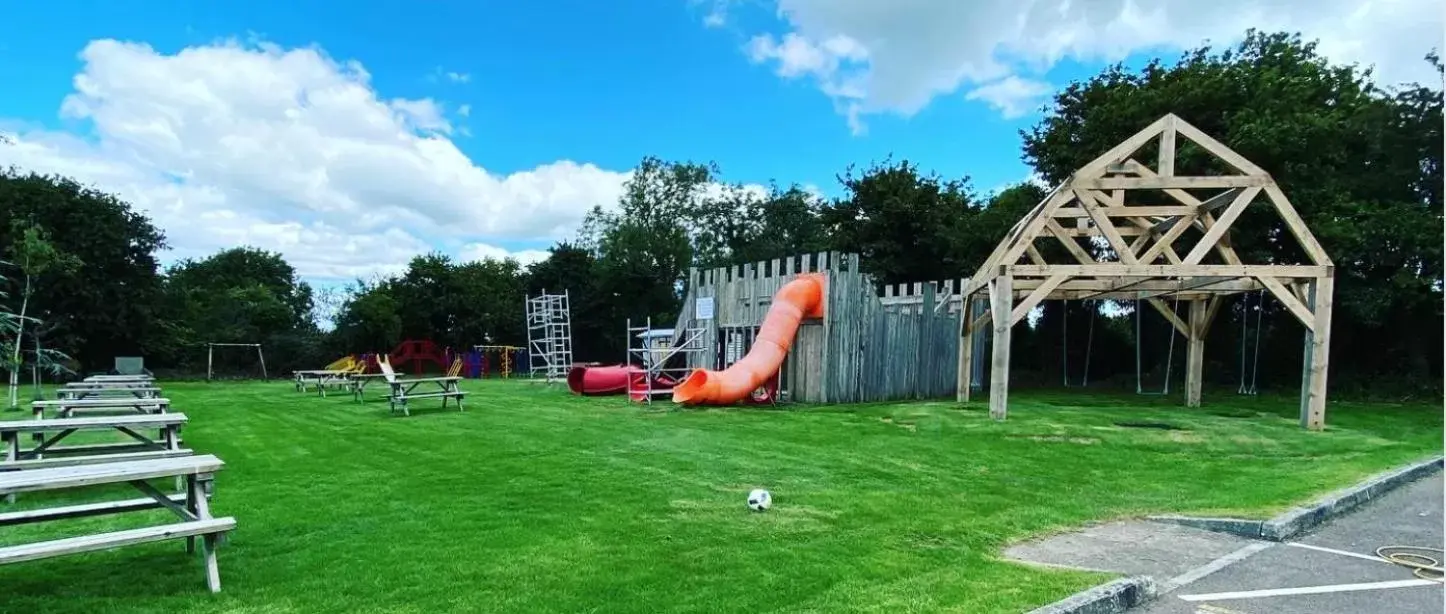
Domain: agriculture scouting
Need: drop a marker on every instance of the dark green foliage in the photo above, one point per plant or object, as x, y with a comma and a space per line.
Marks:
118, 248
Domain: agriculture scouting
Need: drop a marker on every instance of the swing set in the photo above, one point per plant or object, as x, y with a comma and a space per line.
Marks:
1249, 345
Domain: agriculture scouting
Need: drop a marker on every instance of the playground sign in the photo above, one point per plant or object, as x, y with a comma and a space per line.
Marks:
703, 308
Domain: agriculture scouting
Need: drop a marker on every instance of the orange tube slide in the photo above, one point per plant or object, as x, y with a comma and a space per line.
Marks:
796, 300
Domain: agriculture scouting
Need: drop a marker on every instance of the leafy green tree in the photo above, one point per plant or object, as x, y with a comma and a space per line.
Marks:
645, 247
573, 268
1361, 163
907, 226
369, 320
108, 307
34, 255
240, 295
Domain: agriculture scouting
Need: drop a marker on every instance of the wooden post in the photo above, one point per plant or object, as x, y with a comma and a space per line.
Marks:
1195, 354
210, 351
1317, 353
1001, 303
262, 358
966, 349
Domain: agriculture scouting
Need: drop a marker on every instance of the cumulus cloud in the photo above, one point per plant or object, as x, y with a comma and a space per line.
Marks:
872, 57
1012, 96
483, 251
292, 151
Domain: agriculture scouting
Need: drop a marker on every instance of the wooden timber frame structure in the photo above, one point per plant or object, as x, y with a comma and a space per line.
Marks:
1094, 204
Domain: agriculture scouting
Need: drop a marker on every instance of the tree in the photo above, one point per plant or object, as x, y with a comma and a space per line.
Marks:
645, 247
1362, 164
573, 268
34, 255
907, 226
240, 295
109, 306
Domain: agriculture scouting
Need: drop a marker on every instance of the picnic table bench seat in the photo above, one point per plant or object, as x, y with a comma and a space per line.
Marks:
65, 407
404, 390
193, 508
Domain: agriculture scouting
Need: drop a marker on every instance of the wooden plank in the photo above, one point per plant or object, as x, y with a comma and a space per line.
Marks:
1296, 225
1195, 354
1322, 301
1001, 300
1174, 182
117, 402
1070, 244
1168, 312
1022, 309
1221, 226
1119, 152
1126, 211
97, 422
1166, 164
83, 510
1213, 146
1110, 269
116, 539
1106, 227
50, 462
1288, 300
87, 475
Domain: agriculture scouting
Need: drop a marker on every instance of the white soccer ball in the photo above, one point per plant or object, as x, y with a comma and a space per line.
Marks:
759, 500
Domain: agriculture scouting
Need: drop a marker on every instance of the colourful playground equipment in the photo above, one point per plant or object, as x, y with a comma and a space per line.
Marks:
796, 300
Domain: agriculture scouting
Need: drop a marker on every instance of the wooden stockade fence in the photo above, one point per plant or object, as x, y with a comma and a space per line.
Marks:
874, 343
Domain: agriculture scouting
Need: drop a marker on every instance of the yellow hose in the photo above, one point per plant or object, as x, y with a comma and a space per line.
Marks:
1425, 567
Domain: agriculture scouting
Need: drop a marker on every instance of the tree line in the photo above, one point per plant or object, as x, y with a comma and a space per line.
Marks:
1361, 162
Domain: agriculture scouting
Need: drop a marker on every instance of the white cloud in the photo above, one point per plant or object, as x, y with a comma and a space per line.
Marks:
458, 77
1012, 96
900, 56
482, 251
292, 151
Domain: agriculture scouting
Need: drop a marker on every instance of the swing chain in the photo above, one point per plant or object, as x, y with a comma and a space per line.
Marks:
1084, 379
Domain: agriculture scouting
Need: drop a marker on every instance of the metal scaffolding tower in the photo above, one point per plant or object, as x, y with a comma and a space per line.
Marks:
549, 336
655, 349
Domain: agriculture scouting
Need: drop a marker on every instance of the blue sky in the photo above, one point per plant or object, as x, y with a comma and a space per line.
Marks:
610, 83
589, 82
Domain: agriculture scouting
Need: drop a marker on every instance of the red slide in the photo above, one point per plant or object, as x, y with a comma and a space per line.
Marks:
610, 379
796, 300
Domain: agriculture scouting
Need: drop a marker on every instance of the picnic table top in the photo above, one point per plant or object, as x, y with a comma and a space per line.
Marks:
110, 386
107, 402
92, 422
75, 476
114, 378
320, 371
416, 380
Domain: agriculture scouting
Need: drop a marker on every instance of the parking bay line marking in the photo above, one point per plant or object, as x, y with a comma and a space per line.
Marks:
1213, 566
1340, 552
1308, 590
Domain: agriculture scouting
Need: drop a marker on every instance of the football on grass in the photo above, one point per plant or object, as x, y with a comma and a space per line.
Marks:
759, 500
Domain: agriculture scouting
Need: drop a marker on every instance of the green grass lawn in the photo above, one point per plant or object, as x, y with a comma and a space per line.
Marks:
534, 500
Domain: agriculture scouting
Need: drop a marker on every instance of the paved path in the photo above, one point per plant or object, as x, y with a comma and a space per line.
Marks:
1331, 559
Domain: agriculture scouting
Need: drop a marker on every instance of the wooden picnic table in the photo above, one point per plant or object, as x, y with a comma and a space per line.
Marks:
192, 507
101, 392
360, 381
403, 390
65, 407
317, 376
52, 432
119, 378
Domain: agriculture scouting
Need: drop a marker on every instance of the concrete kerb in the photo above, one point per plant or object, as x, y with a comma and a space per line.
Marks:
1109, 598
1301, 519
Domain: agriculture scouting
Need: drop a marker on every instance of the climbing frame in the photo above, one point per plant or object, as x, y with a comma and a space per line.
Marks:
1142, 220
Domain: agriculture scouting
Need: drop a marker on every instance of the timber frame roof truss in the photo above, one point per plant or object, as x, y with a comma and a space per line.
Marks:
1137, 216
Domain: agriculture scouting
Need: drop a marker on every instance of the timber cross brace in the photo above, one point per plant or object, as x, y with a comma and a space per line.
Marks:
1138, 216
